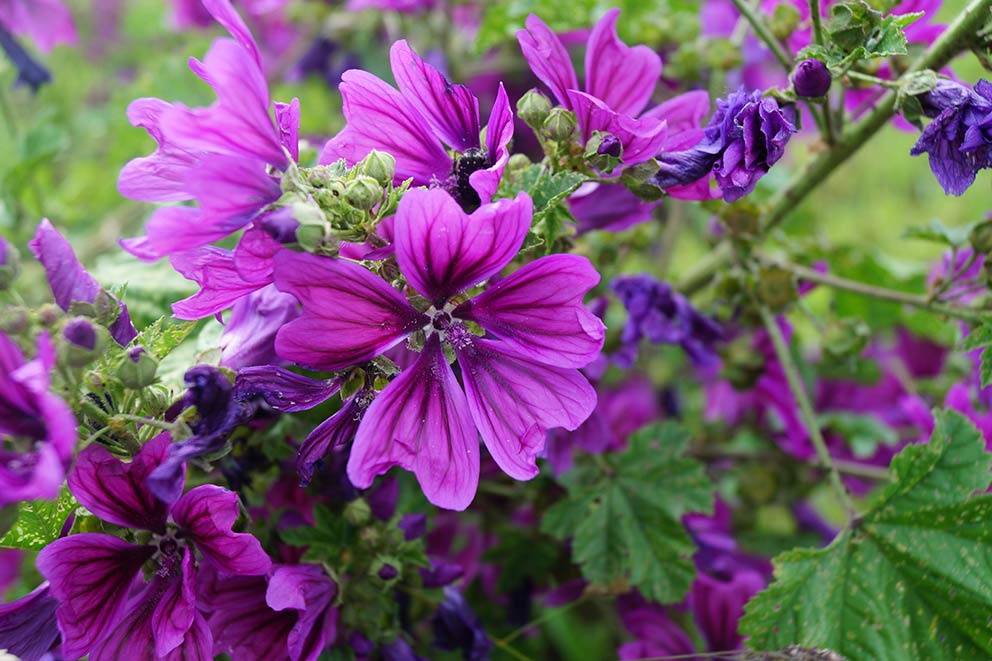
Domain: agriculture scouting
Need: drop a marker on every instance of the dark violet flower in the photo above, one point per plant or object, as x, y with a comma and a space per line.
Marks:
745, 137
28, 628
457, 627
663, 316
811, 79
104, 609
413, 526
79, 332
308, 590
418, 122
228, 157
526, 369
959, 139
335, 432
37, 428
30, 71
71, 283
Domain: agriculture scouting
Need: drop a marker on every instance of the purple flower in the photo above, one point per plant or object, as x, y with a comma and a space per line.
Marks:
243, 625
250, 334
335, 432
457, 627
70, 283
227, 157
418, 122
519, 382
959, 139
745, 137
663, 316
37, 428
308, 590
105, 608
47, 23
811, 79
28, 627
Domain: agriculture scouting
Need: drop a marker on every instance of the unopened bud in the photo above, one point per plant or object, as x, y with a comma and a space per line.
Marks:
14, 321
138, 369
10, 264
49, 314
604, 151
363, 193
533, 107
387, 572
560, 124
784, 21
82, 342
380, 166
811, 79
981, 237
357, 512
777, 287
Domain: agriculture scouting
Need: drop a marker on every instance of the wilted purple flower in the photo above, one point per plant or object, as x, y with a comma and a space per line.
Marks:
28, 628
227, 157
520, 382
416, 123
745, 137
336, 431
457, 627
959, 139
37, 428
308, 590
811, 78
663, 316
104, 609
70, 283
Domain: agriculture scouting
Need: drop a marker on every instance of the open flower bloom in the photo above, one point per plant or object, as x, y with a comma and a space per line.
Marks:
228, 157
37, 428
419, 124
106, 609
519, 381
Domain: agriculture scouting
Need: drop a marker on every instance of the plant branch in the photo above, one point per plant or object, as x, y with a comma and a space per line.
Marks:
814, 12
765, 34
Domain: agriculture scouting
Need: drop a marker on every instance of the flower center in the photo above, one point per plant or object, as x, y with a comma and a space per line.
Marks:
451, 329
468, 162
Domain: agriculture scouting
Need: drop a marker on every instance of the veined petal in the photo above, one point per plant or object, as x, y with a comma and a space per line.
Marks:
380, 118
215, 270
349, 314
175, 229
28, 629
685, 112
609, 207
224, 13
515, 400
206, 515
253, 255
176, 609
538, 310
336, 430
249, 338
282, 390
242, 623
161, 176
451, 110
548, 58
228, 185
421, 422
622, 76
116, 491
442, 250
642, 139
288, 124
499, 132
308, 589
91, 575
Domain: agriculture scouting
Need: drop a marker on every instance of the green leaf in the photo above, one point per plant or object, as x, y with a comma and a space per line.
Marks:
858, 32
985, 369
936, 232
164, 335
625, 523
39, 522
910, 579
328, 539
979, 336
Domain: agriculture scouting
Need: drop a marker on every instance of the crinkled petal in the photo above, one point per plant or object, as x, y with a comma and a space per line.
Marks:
684, 114
421, 422
548, 58
623, 77
451, 110
161, 176
206, 515
349, 314
116, 491
442, 250
538, 311
232, 186
253, 255
642, 139
249, 338
515, 400
282, 390
337, 430
242, 624
221, 284
288, 124
308, 589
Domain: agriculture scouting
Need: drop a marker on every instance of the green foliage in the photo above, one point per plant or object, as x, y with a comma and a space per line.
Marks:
164, 335
858, 32
910, 579
980, 337
624, 522
936, 232
548, 190
863, 433
330, 537
39, 522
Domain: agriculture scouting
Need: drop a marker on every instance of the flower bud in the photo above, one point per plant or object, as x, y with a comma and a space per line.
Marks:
517, 163
363, 193
138, 369
380, 166
49, 314
784, 21
357, 512
387, 572
981, 237
603, 151
811, 79
777, 287
82, 342
14, 321
10, 264
533, 107
560, 124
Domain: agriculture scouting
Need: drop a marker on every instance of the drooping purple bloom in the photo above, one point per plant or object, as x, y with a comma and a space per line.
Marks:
227, 156
37, 428
959, 139
105, 609
335, 432
519, 382
28, 628
418, 122
457, 627
663, 316
70, 283
745, 137
308, 590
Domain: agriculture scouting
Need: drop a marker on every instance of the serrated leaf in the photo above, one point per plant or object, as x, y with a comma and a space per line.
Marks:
858, 32
327, 540
979, 336
39, 522
911, 579
164, 335
625, 525
985, 369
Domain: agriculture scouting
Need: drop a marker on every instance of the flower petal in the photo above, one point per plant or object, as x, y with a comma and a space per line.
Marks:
308, 589
622, 76
421, 423
451, 110
515, 400
228, 185
548, 58
499, 132
249, 338
161, 176
221, 284
28, 628
282, 390
175, 612
288, 123
442, 250
206, 515
333, 432
642, 139
349, 314
538, 311
224, 13
242, 624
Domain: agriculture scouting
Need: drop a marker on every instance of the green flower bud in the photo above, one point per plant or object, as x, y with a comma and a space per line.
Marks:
14, 321
357, 512
311, 237
518, 163
533, 107
981, 237
363, 193
10, 264
560, 124
604, 151
49, 314
138, 369
380, 166
784, 21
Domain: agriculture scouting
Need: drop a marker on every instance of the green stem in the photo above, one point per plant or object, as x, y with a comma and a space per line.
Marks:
167, 426
806, 409
874, 80
951, 42
814, 12
861, 470
544, 617
764, 33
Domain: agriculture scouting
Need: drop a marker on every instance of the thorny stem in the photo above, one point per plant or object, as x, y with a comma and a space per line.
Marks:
806, 409
951, 42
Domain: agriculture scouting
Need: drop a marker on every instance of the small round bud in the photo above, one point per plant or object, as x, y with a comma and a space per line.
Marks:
784, 21
49, 314
82, 342
777, 287
14, 321
533, 107
380, 166
138, 369
560, 124
518, 162
363, 193
610, 145
387, 572
811, 79
981, 237
10, 264
357, 512
107, 307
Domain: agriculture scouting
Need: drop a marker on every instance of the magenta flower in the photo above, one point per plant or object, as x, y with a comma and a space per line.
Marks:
105, 608
37, 428
27, 626
418, 122
519, 381
308, 590
47, 23
227, 157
